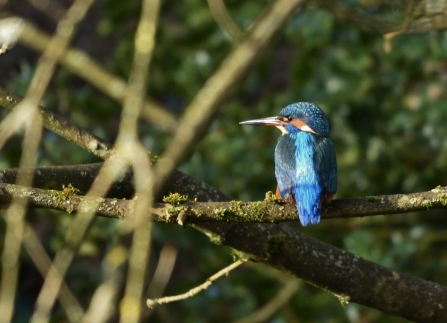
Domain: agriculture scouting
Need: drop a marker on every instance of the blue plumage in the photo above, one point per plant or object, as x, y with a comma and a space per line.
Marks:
305, 160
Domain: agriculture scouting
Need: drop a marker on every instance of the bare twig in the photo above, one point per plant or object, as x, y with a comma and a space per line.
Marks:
51, 8
388, 37
152, 302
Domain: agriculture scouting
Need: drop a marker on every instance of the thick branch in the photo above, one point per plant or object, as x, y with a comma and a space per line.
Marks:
351, 278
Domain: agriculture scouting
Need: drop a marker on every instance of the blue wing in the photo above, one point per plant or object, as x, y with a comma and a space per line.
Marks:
285, 165
325, 163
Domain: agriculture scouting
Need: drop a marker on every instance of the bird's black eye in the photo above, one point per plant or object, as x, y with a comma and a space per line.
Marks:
289, 118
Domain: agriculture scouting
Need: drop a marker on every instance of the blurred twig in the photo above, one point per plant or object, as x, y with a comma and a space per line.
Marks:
103, 301
168, 255
169, 299
223, 18
162, 274
40, 258
64, 33
129, 145
85, 67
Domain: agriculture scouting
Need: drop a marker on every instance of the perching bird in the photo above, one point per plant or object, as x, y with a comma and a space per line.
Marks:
305, 161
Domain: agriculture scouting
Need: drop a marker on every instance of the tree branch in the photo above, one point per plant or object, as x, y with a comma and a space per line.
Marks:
267, 211
350, 278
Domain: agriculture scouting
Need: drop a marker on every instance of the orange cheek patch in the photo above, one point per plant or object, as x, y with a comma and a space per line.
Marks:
300, 124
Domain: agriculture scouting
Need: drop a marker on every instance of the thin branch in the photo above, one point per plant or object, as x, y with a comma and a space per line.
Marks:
151, 303
62, 127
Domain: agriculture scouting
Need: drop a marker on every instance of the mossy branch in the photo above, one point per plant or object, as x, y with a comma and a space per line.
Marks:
267, 211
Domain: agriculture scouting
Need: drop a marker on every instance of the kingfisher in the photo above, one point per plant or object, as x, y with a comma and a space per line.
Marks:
305, 160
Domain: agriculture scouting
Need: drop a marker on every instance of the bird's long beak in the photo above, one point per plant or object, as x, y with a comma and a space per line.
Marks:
271, 121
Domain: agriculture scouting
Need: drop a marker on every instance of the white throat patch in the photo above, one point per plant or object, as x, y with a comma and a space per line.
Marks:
283, 130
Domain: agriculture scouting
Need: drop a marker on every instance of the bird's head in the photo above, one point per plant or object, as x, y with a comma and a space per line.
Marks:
301, 116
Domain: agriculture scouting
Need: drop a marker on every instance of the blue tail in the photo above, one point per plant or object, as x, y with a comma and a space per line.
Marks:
308, 203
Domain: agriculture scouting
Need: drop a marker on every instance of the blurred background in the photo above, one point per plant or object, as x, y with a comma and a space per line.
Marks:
387, 109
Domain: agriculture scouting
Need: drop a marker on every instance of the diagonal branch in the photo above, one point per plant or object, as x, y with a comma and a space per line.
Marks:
61, 126
350, 278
